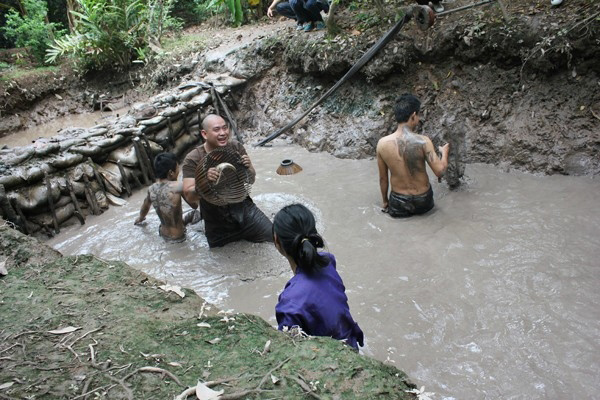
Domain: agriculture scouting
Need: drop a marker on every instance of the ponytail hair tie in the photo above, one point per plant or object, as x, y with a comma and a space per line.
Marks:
303, 240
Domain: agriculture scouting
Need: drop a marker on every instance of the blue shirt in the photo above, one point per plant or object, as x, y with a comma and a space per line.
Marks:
317, 303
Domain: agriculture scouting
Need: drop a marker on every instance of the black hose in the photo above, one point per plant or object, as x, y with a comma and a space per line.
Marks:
358, 65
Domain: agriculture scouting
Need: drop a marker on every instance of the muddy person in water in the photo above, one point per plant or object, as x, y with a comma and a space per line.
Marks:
403, 154
232, 222
165, 196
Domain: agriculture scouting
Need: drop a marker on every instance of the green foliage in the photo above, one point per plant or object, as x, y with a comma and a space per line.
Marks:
235, 9
205, 9
111, 34
31, 30
208, 8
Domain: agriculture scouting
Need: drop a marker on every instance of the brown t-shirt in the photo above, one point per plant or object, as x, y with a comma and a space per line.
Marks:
197, 155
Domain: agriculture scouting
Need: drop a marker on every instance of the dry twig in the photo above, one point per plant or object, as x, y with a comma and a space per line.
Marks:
306, 388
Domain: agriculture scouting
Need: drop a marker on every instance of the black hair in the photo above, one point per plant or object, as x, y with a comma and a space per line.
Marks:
406, 104
297, 233
163, 163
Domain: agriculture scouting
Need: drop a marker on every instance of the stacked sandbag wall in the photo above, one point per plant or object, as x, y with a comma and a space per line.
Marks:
80, 171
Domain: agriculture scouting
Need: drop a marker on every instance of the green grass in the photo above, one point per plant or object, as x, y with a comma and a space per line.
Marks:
184, 43
17, 73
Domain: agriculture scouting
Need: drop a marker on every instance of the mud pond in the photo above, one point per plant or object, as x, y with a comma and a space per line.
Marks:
492, 295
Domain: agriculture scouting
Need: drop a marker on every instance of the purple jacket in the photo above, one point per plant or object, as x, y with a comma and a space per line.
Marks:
318, 304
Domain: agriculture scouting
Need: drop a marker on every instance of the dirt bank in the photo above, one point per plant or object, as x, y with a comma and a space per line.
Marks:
136, 340
522, 90
514, 86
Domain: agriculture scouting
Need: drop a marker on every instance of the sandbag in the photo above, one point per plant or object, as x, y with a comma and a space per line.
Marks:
17, 155
87, 151
68, 143
109, 142
152, 121
128, 132
44, 149
34, 197
62, 200
162, 137
78, 187
125, 154
62, 214
36, 172
200, 100
112, 181
126, 122
11, 181
193, 121
190, 93
129, 172
98, 130
184, 143
155, 148
65, 160
77, 173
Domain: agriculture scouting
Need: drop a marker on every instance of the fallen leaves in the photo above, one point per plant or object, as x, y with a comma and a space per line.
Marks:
62, 331
203, 392
421, 393
6, 385
172, 288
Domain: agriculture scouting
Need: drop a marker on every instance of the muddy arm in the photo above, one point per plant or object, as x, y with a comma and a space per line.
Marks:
437, 165
248, 164
189, 192
383, 180
144, 210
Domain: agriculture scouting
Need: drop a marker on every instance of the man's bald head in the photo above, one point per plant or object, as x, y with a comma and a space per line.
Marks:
215, 132
210, 120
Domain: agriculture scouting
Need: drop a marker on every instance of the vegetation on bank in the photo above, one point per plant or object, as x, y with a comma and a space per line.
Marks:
81, 327
115, 34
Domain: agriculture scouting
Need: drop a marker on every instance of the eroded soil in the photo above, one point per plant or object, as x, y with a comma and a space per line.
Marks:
515, 85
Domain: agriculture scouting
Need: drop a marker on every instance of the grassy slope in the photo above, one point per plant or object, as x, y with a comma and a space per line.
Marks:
130, 323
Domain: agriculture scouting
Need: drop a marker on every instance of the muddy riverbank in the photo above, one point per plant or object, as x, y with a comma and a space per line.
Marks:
519, 83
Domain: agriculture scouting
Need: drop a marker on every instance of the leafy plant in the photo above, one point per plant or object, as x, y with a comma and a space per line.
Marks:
235, 8
110, 33
207, 8
32, 29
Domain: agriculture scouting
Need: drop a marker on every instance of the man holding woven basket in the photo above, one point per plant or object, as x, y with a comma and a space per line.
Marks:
217, 176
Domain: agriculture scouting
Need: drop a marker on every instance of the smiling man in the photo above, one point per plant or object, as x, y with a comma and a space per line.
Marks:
233, 222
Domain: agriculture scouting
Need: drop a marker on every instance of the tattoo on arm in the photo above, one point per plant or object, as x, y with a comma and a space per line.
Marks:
430, 156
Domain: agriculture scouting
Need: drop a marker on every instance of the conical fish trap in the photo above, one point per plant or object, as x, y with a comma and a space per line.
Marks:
233, 185
288, 167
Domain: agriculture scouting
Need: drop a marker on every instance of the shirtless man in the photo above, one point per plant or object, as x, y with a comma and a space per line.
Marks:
404, 154
223, 224
165, 196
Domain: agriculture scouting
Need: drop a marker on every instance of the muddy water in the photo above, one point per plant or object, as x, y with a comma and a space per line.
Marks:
48, 129
492, 295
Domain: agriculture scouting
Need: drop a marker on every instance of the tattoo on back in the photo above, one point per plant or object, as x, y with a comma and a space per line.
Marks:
412, 155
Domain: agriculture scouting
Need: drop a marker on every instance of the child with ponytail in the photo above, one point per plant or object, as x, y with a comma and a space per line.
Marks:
314, 299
